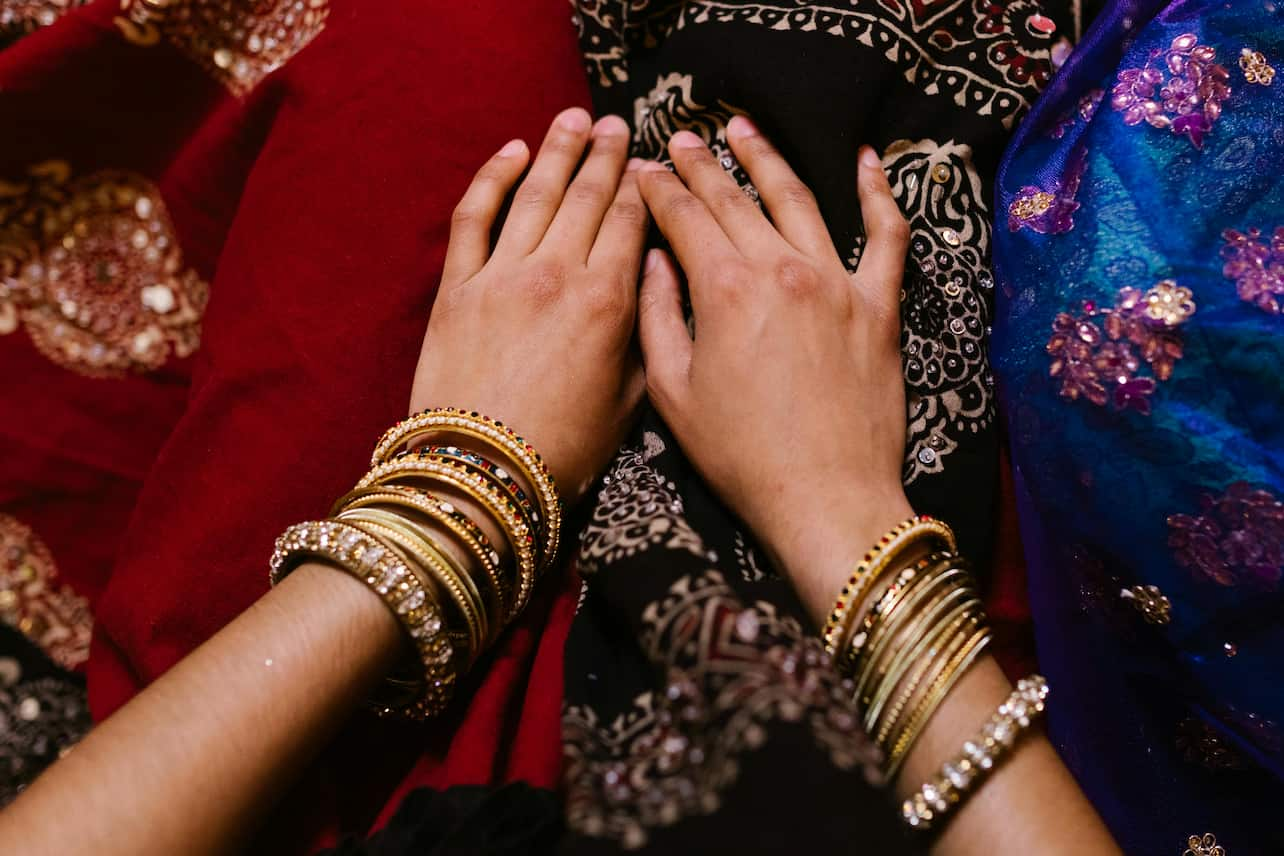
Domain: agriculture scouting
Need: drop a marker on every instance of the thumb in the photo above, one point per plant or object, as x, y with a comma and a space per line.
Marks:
882, 264
662, 329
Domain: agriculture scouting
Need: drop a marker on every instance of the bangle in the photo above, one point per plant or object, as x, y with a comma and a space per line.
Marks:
869, 569
942, 682
871, 624
443, 513
505, 485
387, 575
959, 777
492, 470
500, 509
520, 453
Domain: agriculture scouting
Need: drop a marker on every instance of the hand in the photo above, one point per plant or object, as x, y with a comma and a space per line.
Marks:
790, 399
537, 333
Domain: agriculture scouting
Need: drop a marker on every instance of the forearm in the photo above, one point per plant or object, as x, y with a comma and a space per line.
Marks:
188, 765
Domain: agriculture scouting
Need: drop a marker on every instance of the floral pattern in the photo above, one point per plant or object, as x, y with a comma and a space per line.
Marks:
92, 269
1203, 845
1099, 353
1257, 267
1084, 111
33, 601
1236, 539
1049, 212
238, 43
1255, 67
19, 17
1180, 88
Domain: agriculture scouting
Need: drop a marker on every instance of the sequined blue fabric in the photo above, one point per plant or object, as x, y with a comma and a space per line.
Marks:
1139, 349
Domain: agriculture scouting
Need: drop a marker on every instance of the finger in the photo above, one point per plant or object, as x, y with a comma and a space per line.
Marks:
540, 195
739, 217
793, 207
623, 232
882, 263
474, 216
696, 238
576, 223
662, 329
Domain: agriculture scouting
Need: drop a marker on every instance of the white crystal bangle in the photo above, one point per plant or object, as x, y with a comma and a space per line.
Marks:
980, 756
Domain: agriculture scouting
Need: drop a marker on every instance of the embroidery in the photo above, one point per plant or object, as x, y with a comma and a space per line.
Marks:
1256, 267
1202, 744
1205, 845
40, 720
637, 509
752, 569
91, 268
20, 17
731, 671
1085, 110
1189, 86
31, 599
1049, 212
670, 107
1153, 605
935, 46
1236, 539
1255, 67
944, 306
237, 43
1098, 354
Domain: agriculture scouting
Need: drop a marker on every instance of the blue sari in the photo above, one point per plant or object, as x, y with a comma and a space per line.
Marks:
1139, 346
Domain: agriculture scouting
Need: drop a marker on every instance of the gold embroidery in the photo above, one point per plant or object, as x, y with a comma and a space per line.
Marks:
237, 42
1028, 207
1153, 605
50, 615
91, 268
19, 17
1255, 67
1205, 845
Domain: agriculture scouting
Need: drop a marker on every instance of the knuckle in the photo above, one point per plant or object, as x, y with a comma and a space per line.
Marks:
681, 206
627, 212
797, 195
895, 228
465, 214
587, 193
795, 276
546, 281
535, 196
731, 197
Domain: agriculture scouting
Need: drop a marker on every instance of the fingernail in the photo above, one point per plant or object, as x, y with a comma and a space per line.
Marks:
685, 140
634, 165
575, 119
869, 158
652, 259
741, 127
512, 149
610, 126
653, 166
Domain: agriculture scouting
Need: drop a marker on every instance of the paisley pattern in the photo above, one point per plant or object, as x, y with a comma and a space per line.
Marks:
238, 43
35, 602
90, 266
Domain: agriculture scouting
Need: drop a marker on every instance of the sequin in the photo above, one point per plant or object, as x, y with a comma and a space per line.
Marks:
1180, 89
1255, 67
1049, 212
1256, 267
31, 599
1099, 353
1202, 744
238, 43
19, 17
91, 267
1084, 110
1203, 845
1153, 605
1237, 539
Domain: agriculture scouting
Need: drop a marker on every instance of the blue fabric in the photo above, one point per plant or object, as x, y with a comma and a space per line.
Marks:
1147, 438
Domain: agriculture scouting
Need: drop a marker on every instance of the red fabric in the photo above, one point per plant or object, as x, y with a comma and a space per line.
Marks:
318, 209
1006, 601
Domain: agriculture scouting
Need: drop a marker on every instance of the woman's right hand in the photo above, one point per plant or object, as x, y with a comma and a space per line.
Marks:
789, 400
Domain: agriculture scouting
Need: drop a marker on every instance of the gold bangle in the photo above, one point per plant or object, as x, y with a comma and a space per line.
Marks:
385, 573
500, 509
504, 439
871, 625
419, 553
936, 694
446, 515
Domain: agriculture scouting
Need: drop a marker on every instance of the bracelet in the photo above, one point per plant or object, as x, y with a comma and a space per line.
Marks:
959, 777
501, 509
504, 439
870, 568
443, 513
507, 487
388, 576
869, 631
492, 470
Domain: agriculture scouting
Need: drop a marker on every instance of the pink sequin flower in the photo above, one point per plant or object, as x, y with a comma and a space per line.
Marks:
1102, 353
1256, 267
1237, 539
1181, 89
1085, 110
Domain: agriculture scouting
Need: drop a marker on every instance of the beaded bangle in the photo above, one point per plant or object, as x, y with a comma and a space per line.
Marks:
871, 624
417, 550
958, 778
501, 509
519, 452
934, 696
446, 515
870, 568
490, 473
390, 577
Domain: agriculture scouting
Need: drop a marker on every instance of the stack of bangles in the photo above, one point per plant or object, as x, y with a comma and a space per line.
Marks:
904, 630
436, 569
